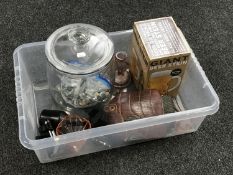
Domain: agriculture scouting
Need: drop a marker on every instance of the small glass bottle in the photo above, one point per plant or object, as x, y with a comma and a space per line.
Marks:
122, 74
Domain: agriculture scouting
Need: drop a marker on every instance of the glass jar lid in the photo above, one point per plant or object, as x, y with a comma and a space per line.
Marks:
79, 49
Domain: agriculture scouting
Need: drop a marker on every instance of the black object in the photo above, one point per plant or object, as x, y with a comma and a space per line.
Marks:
43, 135
48, 122
50, 119
54, 116
96, 114
46, 130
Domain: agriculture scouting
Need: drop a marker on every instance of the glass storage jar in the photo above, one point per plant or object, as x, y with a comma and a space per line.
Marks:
80, 67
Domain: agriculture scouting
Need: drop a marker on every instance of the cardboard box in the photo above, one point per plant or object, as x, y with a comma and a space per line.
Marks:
159, 55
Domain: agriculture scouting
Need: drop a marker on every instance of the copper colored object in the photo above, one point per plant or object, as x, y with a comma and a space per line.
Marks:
122, 74
72, 123
134, 105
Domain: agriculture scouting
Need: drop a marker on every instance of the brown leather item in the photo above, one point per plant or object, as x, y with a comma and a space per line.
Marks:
134, 105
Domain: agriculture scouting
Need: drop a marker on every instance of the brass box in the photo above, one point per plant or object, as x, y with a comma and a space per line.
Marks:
159, 55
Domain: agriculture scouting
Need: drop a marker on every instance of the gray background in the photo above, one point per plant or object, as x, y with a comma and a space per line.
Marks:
207, 26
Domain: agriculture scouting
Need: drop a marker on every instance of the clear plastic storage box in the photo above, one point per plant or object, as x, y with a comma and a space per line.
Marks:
196, 95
